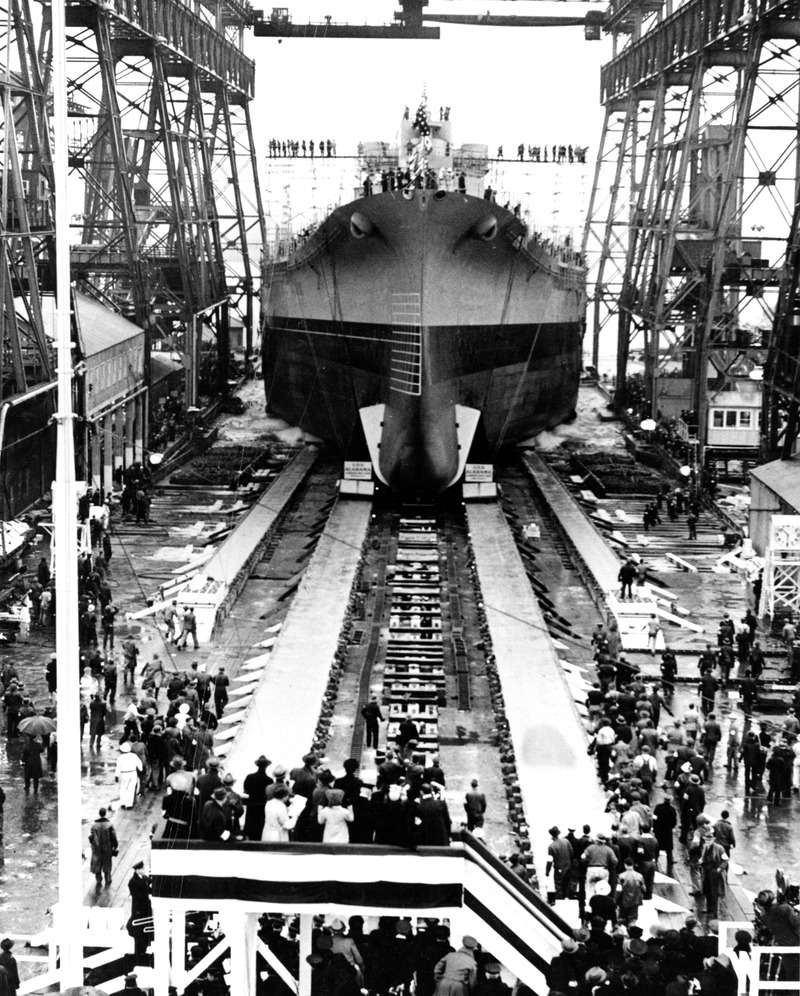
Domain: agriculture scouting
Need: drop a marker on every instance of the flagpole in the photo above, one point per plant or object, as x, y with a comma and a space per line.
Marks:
70, 871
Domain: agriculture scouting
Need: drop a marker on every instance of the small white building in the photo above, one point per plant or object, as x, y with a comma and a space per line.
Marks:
734, 416
774, 490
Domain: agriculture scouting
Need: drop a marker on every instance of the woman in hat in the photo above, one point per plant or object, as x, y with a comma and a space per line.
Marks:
333, 817
179, 807
128, 768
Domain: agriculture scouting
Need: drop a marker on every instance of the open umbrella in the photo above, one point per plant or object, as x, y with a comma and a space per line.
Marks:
37, 726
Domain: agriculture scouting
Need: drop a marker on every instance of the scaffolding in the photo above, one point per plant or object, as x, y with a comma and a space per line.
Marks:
692, 228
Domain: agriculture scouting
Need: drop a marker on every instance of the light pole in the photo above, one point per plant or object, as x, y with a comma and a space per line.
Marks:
70, 870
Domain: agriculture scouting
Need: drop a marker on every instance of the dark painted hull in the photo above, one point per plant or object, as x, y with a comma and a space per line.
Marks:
422, 315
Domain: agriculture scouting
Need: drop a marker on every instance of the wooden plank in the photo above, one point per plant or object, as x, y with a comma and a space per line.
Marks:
680, 562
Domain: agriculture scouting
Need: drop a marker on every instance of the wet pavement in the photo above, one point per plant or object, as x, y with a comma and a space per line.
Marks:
143, 558
765, 834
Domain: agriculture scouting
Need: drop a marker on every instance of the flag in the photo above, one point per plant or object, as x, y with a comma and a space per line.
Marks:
421, 125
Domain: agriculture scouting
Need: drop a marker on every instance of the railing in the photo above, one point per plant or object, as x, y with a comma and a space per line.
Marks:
464, 882
766, 970
684, 34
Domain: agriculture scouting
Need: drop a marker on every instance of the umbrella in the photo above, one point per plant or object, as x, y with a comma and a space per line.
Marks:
37, 726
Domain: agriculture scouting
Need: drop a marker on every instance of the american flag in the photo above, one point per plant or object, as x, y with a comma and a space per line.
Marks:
417, 159
421, 125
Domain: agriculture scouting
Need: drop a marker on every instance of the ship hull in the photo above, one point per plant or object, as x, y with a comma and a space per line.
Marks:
420, 312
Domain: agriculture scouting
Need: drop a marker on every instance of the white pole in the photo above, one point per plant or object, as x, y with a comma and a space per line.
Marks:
70, 871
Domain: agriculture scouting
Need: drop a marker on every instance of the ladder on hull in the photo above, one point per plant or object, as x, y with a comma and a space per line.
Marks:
406, 356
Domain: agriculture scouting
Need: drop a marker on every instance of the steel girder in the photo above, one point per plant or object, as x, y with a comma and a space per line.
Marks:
26, 204
608, 225
718, 176
161, 98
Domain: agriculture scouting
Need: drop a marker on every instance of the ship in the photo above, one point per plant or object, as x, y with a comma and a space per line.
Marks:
422, 323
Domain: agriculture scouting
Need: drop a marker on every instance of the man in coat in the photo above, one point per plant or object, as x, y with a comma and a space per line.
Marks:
104, 845
559, 859
213, 820
372, 716
141, 911
221, 682
665, 819
455, 974
474, 806
255, 788
431, 819
713, 862
208, 781
8, 964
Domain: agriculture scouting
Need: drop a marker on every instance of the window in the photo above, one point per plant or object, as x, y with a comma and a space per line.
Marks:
716, 418
744, 419
730, 419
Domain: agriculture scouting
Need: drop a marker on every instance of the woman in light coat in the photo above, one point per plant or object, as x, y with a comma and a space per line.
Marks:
128, 769
278, 821
334, 819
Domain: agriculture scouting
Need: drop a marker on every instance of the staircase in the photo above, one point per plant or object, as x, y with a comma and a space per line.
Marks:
464, 882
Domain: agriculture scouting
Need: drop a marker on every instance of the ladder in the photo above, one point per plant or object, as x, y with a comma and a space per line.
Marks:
406, 357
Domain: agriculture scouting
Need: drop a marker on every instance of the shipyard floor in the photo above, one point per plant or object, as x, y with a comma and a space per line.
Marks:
764, 834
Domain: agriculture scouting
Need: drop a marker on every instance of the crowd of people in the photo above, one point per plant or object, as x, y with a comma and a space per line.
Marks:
548, 153
385, 180
293, 148
167, 421
403, 805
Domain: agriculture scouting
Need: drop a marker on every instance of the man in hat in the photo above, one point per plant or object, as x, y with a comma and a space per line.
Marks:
474, 806
713, 862
279, 773
8, 963
559, 860
104, 845
630, 894
431, 819
566, 969
407, 733
346, 947
693, 802
255, 788
600, 863
304, 780
130, 653
213, 822
492, 984
455, 974
221, 682
132, 987
233, 807
208, 781
665, 819
372, 716
141, 911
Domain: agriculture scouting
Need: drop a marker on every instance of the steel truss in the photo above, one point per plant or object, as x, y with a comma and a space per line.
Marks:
162, 145
26, 216
699, 156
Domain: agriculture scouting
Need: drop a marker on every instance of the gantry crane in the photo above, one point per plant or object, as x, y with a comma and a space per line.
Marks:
409, 23
692, 225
